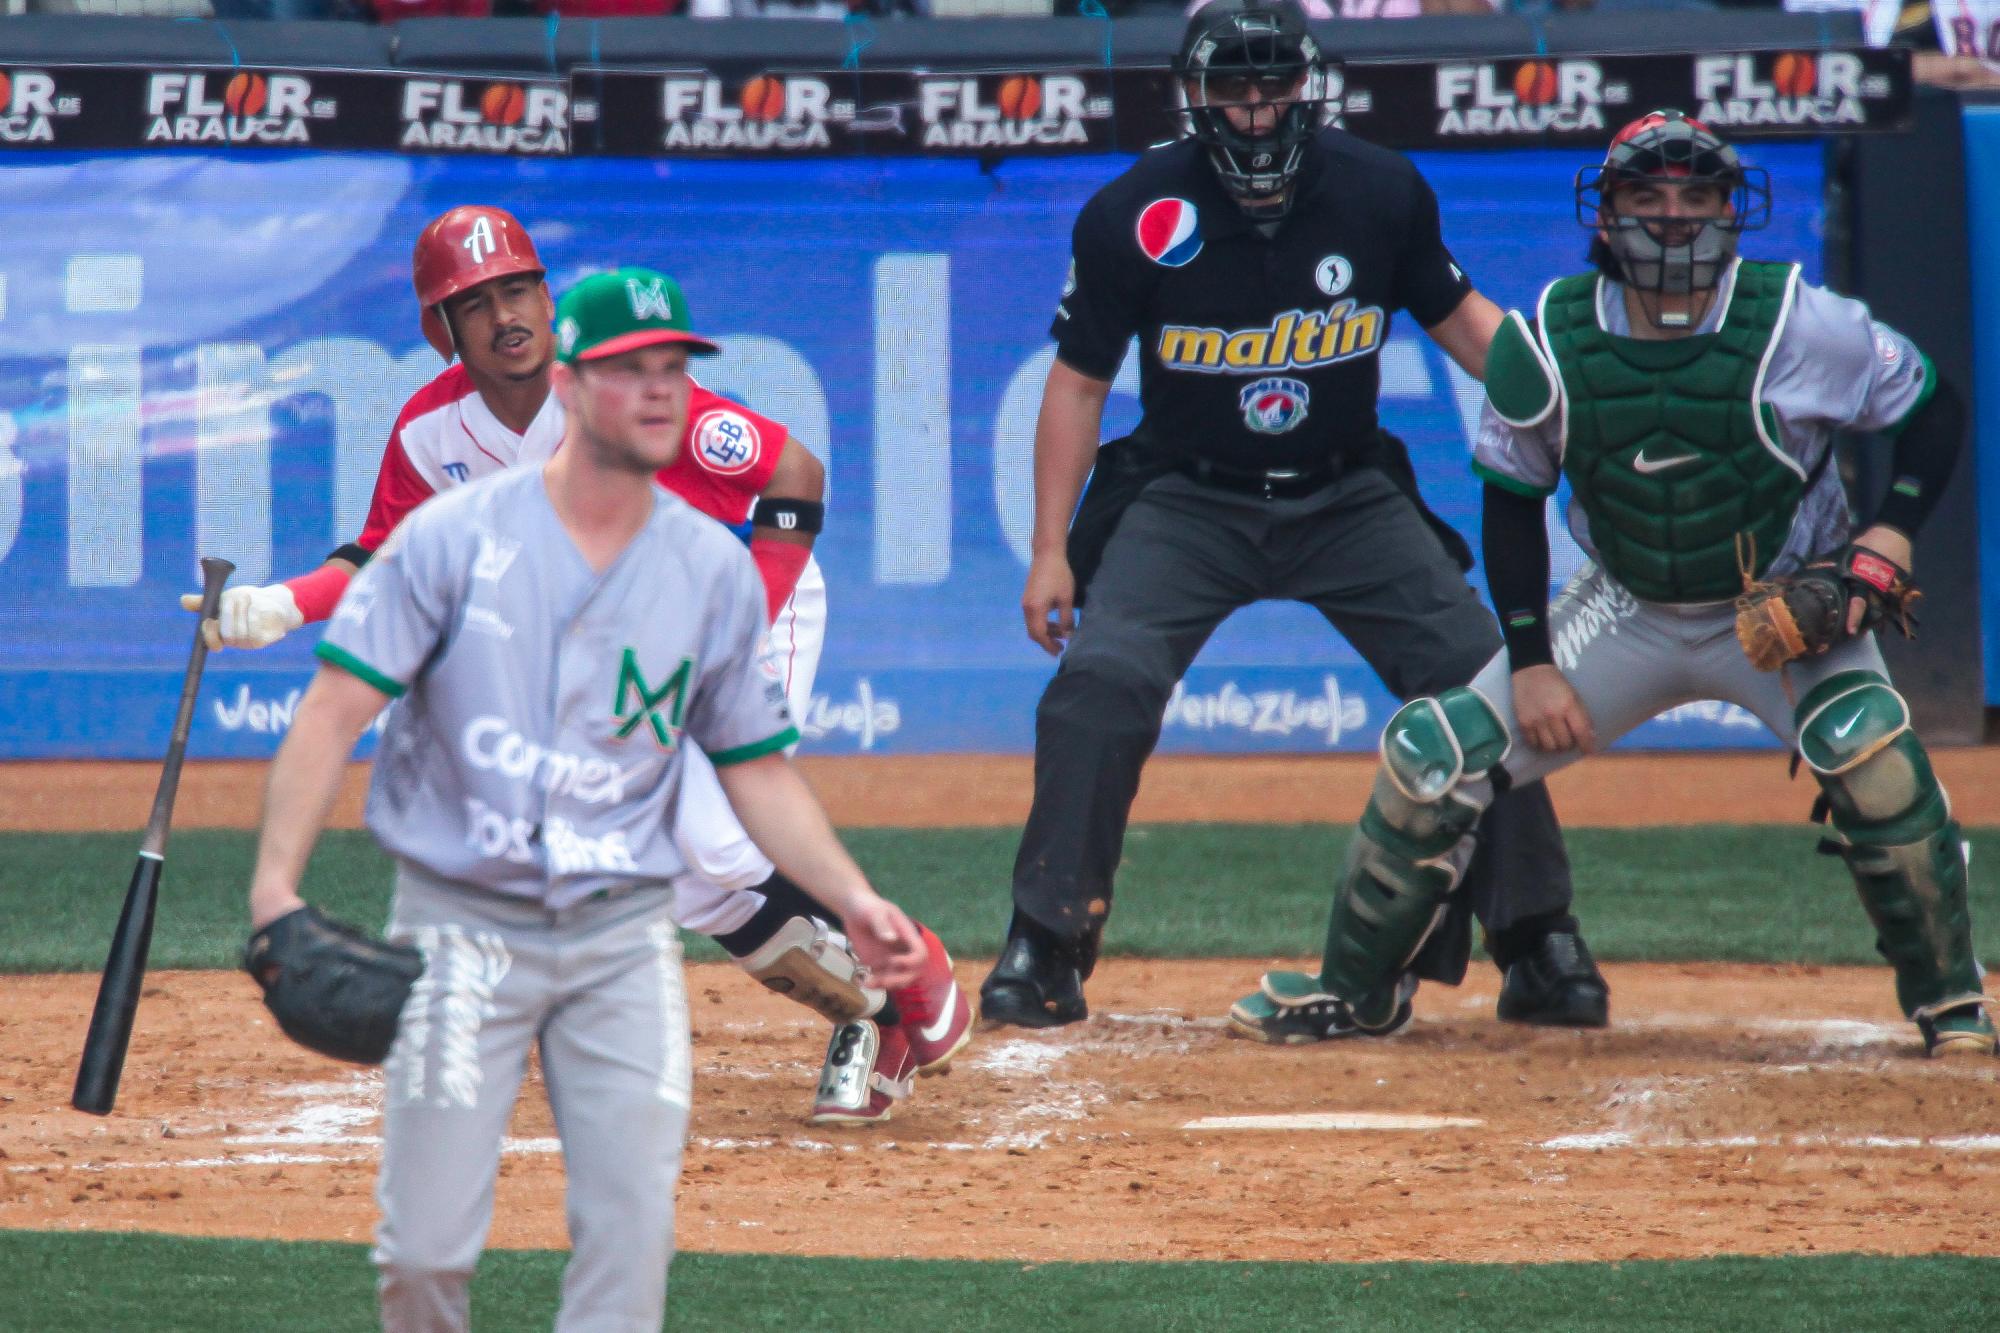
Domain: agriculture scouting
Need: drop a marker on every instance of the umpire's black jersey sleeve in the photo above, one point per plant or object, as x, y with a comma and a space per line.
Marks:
1255, 352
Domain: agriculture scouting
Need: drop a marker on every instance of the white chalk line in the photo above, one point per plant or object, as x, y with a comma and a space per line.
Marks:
1343, 1120
324, 1129
1610, 1139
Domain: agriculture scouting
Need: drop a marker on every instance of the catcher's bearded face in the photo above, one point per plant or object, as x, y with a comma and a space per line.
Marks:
503, 327
631, 408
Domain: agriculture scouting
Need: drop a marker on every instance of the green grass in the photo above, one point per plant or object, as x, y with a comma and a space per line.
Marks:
1702, 893
88, 1283
1723, 893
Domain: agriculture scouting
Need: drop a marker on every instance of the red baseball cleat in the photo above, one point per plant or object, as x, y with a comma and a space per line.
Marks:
936, 1016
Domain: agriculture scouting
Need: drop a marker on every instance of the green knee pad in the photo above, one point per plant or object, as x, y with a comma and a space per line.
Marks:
1411, 846
1897, 836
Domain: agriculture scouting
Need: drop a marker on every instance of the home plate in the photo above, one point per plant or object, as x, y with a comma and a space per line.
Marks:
1335, 1120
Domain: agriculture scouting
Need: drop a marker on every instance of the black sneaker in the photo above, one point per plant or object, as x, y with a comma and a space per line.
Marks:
1037, 983
1556, 984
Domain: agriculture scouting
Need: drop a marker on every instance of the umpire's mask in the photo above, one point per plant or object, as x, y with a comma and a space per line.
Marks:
1255, 90
1662, 249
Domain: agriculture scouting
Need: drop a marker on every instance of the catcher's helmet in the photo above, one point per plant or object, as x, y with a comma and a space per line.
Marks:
1675, 256
462, 248
1230, 48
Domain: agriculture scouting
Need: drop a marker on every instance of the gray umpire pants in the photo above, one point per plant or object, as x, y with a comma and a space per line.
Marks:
599, 987
1185, 556
1630, 660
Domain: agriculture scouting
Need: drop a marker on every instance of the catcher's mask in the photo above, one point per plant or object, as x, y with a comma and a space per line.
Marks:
1256, 55
1662, 253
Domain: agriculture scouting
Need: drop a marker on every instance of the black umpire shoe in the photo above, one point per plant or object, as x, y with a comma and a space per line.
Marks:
1556, 984
1038, 982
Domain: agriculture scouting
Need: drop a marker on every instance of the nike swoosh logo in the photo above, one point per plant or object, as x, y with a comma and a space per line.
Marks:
937, 1031
1847, 726
1648, 466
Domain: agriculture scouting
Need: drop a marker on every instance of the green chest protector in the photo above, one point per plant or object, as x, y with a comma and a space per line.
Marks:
1669, 446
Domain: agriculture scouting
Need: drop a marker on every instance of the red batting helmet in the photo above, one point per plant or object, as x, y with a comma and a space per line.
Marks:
462, 248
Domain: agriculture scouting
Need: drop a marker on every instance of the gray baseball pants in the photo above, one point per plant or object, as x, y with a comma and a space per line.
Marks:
1184, 557
1629, 660
599, 987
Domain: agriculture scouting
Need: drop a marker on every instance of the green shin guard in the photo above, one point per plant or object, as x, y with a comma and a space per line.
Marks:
1897, 836
1915, 896
1411, 847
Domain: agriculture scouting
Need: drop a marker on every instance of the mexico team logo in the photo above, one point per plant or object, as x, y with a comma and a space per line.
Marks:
1274, 406
726, 441
1169, 232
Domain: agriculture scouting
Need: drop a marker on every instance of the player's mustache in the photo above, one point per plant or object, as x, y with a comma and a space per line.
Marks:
501, 335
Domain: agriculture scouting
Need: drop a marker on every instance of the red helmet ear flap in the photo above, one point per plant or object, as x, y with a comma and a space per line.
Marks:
437, 332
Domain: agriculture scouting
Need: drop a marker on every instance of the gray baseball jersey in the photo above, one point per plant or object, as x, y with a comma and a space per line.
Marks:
535, 743
1834, 367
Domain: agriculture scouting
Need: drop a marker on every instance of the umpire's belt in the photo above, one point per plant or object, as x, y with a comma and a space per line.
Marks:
1274, 484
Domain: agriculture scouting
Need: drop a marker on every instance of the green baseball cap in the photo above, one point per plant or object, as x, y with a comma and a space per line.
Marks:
609, 313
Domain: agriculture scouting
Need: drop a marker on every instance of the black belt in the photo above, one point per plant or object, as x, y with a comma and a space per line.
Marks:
1271, 484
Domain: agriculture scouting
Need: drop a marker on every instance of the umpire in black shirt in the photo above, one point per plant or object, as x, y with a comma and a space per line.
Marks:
1259, 263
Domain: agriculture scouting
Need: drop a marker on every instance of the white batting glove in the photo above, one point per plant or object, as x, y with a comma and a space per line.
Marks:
248, 617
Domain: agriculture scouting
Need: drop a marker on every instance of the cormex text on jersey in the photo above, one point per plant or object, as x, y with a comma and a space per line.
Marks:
1295, 340
491, 744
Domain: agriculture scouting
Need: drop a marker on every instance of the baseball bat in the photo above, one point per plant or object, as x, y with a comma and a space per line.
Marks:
125, 966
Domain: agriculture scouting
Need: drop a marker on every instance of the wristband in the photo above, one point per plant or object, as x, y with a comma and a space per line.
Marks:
319, 592
787, 514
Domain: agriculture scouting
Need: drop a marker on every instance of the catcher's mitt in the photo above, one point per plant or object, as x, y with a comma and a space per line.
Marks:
1804, 614
331, 987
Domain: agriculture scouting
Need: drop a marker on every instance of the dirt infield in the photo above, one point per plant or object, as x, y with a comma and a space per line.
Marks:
1618, 790
1729, 1110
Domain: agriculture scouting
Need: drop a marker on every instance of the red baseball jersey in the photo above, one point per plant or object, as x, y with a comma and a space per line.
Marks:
446, 435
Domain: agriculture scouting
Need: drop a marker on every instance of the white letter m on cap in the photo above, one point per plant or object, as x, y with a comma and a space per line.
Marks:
651, 301
479, 241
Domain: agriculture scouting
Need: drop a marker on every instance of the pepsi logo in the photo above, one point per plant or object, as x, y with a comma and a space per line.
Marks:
726, 441
1169, 233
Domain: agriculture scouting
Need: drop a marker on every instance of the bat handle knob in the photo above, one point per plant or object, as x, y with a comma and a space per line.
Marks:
215, 572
